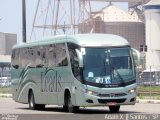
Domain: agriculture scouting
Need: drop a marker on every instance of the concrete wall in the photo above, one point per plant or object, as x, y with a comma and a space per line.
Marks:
11, 40
134, 32
7, 40
2, 44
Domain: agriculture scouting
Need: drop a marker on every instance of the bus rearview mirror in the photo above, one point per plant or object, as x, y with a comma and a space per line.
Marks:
136, 54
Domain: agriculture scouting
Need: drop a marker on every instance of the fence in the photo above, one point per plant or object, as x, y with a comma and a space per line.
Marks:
5, 82
5, 77
148, 84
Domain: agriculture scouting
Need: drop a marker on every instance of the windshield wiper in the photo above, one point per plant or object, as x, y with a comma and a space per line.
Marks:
119, 75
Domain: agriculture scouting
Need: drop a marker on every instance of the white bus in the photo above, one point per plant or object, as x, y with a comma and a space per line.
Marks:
74, 71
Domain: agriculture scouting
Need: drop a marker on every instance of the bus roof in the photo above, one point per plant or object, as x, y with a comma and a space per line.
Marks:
85, 40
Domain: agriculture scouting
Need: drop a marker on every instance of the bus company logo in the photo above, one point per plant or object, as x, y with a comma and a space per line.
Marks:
51, 82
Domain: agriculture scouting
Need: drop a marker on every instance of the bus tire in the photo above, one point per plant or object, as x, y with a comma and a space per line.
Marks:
32, 104
114, 109
70, 106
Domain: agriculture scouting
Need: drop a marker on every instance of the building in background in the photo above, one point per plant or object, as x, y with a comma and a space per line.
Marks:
151, 74
7, 40
112, 20
152, 16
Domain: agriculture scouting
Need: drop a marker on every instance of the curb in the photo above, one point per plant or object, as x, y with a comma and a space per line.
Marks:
148, 101
5, 95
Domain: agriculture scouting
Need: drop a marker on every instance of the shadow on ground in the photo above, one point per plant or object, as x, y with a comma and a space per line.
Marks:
82, 110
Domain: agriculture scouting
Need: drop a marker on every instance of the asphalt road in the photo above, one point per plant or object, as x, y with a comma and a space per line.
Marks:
10, 110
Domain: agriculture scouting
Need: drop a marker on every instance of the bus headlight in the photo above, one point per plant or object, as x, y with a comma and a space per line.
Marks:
91, 92
132, 91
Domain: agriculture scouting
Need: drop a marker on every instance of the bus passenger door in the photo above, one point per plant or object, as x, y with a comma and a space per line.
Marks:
75, 67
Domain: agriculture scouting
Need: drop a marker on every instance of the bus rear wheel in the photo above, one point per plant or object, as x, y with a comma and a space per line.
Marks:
32, 104
71, 108
114, 109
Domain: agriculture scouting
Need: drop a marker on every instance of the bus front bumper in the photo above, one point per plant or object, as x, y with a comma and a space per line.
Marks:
91, 100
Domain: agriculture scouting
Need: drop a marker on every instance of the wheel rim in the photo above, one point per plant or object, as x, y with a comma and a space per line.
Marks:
31, 101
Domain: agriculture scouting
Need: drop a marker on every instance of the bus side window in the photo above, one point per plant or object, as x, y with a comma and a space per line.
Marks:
38, 60
44, 56
51, 56
23, 57
40, 56
15, 58
30, 57
61, 55
74, 63
57, 55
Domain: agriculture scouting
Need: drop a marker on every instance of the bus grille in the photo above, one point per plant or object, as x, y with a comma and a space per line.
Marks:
112, 95
105, 101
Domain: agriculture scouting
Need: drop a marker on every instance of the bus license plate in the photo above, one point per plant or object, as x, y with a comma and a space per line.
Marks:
111, 103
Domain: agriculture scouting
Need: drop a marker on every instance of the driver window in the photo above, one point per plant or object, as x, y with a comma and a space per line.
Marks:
74, 60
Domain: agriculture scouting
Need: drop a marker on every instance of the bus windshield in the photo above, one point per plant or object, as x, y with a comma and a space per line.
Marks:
108, 65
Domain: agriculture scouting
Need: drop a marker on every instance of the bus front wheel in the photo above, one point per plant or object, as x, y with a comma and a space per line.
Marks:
114, 109
32, 104
70, 106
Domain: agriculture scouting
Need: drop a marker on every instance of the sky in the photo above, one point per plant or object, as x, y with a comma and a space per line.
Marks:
11, 14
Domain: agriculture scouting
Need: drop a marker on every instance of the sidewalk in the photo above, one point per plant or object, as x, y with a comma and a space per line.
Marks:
148, 101
138, 100
5, 95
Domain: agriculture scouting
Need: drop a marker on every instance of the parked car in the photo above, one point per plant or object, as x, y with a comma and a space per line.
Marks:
5, 81
150, 77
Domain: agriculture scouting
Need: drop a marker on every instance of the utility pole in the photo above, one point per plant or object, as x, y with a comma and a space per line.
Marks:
24, 20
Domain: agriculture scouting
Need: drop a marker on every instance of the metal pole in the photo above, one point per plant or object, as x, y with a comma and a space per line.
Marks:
34, 20
57, 12
49, 2
74, 14
150, 83
24, 20
71, 16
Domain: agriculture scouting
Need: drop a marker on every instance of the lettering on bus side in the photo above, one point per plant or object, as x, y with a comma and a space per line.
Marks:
51, 81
